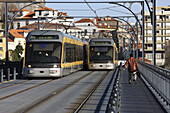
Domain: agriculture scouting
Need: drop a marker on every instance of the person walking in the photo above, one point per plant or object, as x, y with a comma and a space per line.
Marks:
132, 68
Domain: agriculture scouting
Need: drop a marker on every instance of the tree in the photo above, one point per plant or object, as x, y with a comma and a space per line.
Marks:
11, 6
16, 56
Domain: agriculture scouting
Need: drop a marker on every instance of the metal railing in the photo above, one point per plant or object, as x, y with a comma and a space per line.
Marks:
159, 79
10, 70
114, 101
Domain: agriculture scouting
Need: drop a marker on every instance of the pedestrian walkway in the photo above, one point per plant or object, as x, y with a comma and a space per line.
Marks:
137, 98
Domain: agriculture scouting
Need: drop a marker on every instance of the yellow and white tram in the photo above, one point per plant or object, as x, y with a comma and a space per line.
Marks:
103, 54
52, 53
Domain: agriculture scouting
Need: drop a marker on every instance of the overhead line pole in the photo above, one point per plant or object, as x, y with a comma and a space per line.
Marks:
154, 32
6, 29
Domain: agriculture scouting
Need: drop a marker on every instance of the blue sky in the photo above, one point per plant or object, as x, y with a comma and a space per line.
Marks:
101, 9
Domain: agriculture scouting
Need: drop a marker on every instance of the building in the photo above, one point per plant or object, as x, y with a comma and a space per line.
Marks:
97, 27
45, 14
162, 34
15, 37
75, 31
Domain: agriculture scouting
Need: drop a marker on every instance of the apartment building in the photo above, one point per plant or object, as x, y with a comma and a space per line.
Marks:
162, 34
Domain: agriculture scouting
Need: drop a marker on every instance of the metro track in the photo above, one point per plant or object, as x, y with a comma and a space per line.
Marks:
54, 93
59, 95
88, 94
21, 91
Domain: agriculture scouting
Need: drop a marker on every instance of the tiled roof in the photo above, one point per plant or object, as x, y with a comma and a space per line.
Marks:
15, 33
15, 10
10, 40
84, 20
45, 9
48, 26
29, 15
20, 31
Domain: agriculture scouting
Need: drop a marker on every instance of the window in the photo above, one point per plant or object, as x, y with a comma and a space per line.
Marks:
158, 55
85, 31
1, 40
18, 25
161, 17
1, 48
39, 12
79, 53
27, 22
94, 30
157, 31
42, 52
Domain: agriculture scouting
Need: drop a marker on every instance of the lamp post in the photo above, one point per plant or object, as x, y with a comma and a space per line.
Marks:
153, 22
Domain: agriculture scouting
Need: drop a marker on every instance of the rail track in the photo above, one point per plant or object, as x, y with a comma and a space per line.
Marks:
89, 93
54, 93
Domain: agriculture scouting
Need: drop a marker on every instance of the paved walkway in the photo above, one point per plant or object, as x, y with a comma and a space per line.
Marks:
136, 98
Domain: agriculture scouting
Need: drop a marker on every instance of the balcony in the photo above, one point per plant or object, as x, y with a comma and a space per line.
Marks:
160, 49
148, 42
160, 42
148, 49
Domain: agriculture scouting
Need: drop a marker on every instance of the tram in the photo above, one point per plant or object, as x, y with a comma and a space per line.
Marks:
103, 54
51, 53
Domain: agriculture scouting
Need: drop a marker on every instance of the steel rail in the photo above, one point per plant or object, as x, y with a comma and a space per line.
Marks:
54, 93
14, 84
13, 94
92, 91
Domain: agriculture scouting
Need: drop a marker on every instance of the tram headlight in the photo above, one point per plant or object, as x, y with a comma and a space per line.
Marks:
56, 66
29, 66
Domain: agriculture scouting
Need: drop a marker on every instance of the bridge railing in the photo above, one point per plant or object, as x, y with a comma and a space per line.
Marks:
158, 78
10, 70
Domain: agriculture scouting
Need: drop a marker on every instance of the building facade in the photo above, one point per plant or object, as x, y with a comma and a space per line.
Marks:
162, 34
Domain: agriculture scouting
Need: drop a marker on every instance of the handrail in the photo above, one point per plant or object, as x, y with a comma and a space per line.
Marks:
158, 78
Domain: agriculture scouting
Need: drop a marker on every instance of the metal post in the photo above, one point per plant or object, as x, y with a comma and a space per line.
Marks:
143, 32
38, 23
8, 74
14, 73
6, 29
137, 56
2, 75
133, 46
154, 32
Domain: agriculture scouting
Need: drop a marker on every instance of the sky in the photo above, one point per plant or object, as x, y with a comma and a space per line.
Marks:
100, 9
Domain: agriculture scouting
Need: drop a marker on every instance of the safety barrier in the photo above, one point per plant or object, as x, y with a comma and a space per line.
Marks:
158, 80
10, 70
114, 101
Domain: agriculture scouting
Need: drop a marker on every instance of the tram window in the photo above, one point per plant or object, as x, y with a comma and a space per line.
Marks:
80, 53
73, 55
43, 47
38, 52
68, 52
101, 54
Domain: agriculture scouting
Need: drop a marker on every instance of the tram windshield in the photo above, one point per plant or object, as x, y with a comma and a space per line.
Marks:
42, 52
101, 54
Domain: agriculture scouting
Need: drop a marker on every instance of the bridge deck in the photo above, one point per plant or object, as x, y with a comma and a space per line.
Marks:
136, 98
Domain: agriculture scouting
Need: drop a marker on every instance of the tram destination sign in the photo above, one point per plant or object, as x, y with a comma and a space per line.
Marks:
41, 37
101, 42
